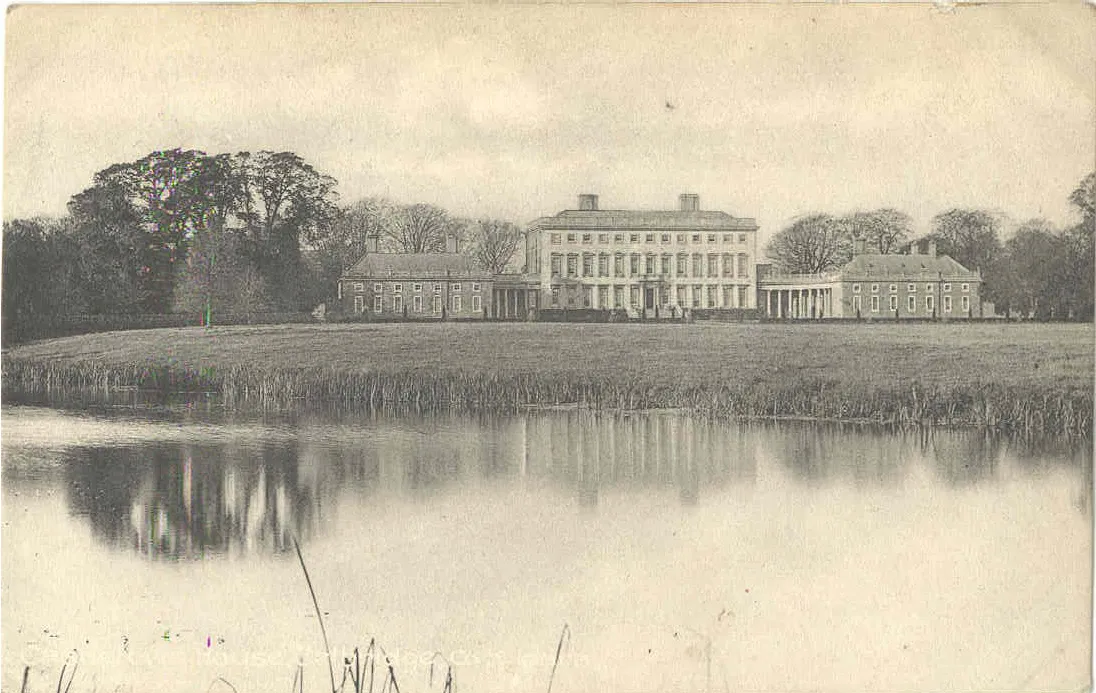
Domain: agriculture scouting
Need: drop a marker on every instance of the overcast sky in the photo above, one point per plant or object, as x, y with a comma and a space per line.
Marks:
764, 111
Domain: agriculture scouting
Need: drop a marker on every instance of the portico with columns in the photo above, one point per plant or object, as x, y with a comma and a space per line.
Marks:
799, 297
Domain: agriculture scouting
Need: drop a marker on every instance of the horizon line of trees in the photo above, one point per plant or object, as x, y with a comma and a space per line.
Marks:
182, 231
1036, 270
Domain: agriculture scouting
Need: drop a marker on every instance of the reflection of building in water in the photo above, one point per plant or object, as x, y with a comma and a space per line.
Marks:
595, 451
186, 500
816, 454
962, 458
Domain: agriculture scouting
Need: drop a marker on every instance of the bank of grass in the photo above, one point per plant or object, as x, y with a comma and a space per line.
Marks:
1032, 377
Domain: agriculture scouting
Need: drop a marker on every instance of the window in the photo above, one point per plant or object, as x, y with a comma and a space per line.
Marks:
587, 238
603, 297
856, 304
633, 238
650, 264
603, 265
728, 265
572, 265
698, 265
893, 288
667, 264
743, 265
741, 238
713, 299
587, 265
437, 304
911, 304
966, 304
618, 265
681, 299
650, 238
618, 238
633, 264
477, 304
682, 265
456, 287
911, 288
555, 297
378, 304
603, 238
893, 303
856, 288
966, 287
875, 304
378, 288
571, 238
665, 238
437, 288
697, 292
727, 238
947, 304
728, 296
635, 297
930, 288
417, 288
875, 288
555, 237
416, 303
397, 288
711, 238
743, 297
397, 303
557, 265
696, 238
359, 304
930, 304
947, 286
618, 296
681, 238
475, 286
713, 265
359, 286
458, 304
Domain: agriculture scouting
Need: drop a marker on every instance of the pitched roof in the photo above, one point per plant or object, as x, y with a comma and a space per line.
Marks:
633, 219
426, 265
906, 266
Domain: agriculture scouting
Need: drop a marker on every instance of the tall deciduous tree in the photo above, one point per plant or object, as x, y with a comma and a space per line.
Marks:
1081, 249
1030, 272
971, 237
492, 243
421, 228
882, 230
811, 244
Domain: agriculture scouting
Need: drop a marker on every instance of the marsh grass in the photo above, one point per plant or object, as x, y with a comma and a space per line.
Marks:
1018, 378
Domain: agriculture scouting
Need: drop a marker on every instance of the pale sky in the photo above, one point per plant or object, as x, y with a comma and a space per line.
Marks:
511, 111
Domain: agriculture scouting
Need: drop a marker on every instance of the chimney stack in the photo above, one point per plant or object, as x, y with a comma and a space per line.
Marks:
587, 202
915, 248
858, 246
932, 247
689, 202
452, 243
372, 243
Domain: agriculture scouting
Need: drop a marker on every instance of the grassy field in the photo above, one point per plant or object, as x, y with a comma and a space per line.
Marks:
1003, 375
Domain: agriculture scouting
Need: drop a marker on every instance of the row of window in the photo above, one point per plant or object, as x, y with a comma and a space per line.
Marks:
634, 264
912, 288
699, 296
682, 238
416, 287
397, 305
911, 304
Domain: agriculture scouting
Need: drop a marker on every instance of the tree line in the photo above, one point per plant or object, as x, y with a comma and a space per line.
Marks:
182, 231
1033, 269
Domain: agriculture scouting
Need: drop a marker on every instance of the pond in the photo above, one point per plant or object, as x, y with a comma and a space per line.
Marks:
653, 551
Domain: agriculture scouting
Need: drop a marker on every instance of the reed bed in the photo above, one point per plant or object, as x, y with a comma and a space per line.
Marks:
1048, 409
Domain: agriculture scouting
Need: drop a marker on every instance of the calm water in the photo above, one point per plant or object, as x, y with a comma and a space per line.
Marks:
681, 555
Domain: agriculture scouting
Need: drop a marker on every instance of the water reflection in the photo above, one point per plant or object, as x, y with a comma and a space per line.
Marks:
244, 494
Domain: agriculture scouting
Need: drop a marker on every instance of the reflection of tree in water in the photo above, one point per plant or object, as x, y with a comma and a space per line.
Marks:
1038, 455
962, 458
816, 453
182, 501
589, 452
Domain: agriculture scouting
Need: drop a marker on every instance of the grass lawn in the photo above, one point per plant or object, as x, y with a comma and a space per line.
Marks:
859, 359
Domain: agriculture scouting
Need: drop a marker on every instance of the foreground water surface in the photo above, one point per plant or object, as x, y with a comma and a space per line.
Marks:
156, 546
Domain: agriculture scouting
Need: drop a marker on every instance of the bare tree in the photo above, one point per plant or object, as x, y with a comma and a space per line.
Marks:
493, 243
882, 230
420, 228
811, 244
